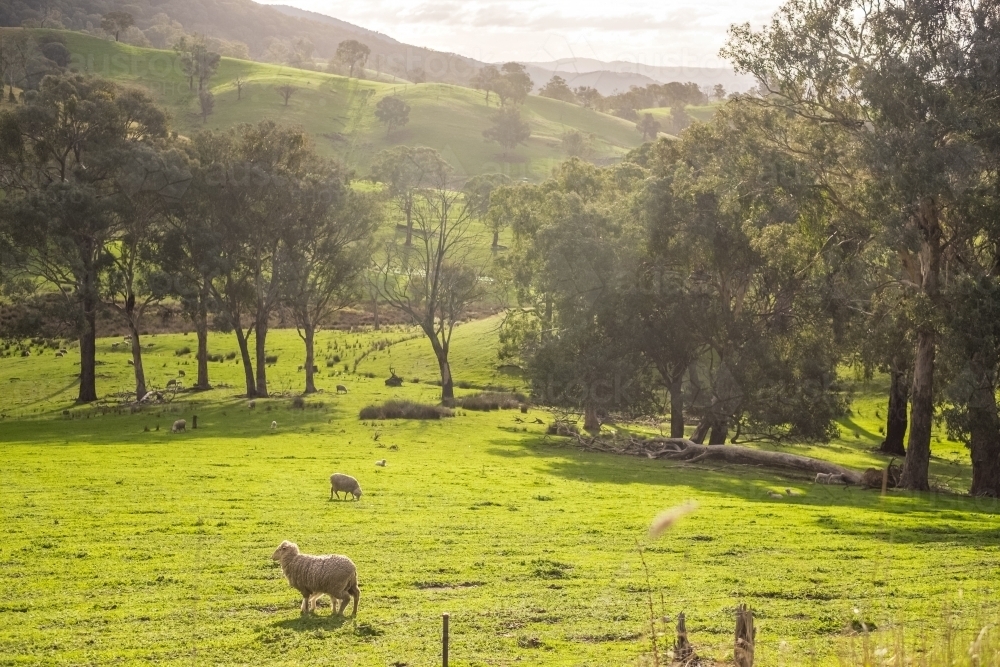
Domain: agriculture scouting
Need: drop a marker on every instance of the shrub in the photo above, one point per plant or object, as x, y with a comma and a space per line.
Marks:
299, 403
184, 350
336, 358
486, 401
215, 357
271, 359
404, 410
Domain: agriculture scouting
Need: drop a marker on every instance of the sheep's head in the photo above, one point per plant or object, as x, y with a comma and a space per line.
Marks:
286, 550
356, 492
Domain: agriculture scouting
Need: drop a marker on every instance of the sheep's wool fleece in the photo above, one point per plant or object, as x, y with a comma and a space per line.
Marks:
332, 574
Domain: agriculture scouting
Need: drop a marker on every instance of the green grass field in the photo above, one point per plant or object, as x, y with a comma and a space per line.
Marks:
127, 546
339, 112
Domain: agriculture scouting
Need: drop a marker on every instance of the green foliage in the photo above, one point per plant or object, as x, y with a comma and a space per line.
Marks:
508, 129
557, 89
352, 54
392, 112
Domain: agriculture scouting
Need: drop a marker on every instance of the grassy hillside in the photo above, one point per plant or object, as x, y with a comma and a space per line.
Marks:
339, 112
701, 113
130, 546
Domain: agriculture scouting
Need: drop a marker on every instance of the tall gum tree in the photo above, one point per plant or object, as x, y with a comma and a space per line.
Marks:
884, 74
434, 282
61, 154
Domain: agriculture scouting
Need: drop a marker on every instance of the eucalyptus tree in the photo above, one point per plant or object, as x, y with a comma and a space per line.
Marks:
327, 251
406, 171
434, 282
254, 182
886, 74
478, 193
131, 280
62, 155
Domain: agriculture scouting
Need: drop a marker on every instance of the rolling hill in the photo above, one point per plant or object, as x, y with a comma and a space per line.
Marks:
339, 112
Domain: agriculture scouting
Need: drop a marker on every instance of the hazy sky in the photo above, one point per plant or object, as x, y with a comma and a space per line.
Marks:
663, 34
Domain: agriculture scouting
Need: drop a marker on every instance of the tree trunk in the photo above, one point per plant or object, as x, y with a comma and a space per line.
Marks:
260, 338
375, 323
895, 419
309, 335
700, 431
140, 375
447, 382
496, 240
409, 224
720, 429
984, 431
918, 448
201, 328
591, 423
241, 339
88, 354
677, 406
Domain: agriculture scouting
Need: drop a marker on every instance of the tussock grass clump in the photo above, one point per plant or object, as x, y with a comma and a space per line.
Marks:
491, 400
405, 410
184, 350
298, 403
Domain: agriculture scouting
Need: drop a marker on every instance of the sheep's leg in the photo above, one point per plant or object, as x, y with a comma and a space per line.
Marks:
356, 594
306, 607
343, 604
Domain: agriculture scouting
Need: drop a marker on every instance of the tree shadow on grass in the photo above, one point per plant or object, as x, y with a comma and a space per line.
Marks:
923, 511
227, 418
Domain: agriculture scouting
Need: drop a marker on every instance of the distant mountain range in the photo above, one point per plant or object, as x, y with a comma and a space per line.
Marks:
260, 27
619, 75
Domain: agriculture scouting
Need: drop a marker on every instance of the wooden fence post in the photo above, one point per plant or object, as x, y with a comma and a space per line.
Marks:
444, 639
682, 647
745, 636
194, 421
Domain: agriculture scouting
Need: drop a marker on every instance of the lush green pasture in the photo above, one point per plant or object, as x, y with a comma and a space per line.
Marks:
339, 112
129, 546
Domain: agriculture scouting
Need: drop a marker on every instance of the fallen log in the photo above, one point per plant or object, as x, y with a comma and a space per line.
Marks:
682, 449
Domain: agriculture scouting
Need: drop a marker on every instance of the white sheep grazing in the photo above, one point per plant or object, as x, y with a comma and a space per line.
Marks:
274, 426
380, 463
341, 389
315, 576
829, 478
179, 425
341, 483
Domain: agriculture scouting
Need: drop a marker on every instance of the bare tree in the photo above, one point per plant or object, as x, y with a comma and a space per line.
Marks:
239, 82
433, 282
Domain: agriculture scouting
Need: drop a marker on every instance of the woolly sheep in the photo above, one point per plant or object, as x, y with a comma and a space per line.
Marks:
274, 425
181, 373
341, 389
829, 478
341, 483
252, 404
179, 425
315, 576
380, 463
